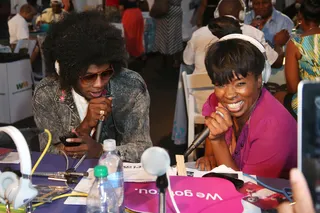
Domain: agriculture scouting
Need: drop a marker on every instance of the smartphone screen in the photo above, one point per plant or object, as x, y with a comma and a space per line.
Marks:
309, 136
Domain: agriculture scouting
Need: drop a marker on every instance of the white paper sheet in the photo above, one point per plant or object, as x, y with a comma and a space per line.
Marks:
12, 157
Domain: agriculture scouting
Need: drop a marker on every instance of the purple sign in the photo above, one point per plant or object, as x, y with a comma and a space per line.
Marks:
191, 195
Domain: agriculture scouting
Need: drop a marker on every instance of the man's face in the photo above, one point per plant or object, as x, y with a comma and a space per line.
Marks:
28, 17
56, 7
262, 8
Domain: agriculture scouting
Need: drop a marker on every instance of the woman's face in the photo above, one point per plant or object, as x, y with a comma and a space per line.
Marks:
92, 84
239, 95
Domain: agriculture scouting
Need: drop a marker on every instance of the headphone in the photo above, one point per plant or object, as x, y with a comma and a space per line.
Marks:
16, 191
250, 3
241, 15
266, 73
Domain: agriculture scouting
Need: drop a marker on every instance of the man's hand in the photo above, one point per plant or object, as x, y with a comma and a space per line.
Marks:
281, 38
301, 195
258, 23
95, 107
87, 145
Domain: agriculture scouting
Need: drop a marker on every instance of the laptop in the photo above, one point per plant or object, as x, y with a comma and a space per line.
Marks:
309, 136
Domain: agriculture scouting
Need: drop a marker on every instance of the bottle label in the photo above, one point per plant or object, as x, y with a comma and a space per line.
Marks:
116, 179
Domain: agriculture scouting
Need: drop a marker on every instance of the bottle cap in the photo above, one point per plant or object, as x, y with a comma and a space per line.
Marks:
100, 171
109, 145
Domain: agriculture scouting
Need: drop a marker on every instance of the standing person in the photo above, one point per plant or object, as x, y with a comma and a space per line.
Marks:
133, 26
90, 57
206, 10
276, 26
168, 39
302, 55
112, 10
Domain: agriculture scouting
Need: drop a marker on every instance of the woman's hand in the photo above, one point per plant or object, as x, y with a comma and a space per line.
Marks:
218, 122
95, 107
206, 163
87, 145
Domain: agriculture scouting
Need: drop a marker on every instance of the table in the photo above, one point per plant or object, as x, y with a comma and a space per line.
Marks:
52, 163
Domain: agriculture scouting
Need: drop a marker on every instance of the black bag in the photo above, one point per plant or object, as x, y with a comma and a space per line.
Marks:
160, 8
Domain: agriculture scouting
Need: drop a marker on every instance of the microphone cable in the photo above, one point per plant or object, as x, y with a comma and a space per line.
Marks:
171, 194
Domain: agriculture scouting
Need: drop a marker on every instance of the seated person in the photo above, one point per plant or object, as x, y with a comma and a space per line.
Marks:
276, 26
90, 57
250, 130
52, 14
18, 25
19, 29
201, 39
302, 55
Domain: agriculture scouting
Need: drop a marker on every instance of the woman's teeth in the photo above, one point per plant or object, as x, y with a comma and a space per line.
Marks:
235, 106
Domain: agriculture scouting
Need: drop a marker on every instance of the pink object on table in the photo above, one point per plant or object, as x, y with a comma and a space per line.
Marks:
191, 195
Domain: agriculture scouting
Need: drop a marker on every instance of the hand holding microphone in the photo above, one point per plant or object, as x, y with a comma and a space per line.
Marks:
257, 22
218, 122
97, 108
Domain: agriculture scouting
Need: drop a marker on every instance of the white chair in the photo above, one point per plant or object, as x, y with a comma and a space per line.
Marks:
194, 85
26, 44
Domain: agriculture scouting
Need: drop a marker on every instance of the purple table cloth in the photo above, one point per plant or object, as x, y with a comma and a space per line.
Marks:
55, 163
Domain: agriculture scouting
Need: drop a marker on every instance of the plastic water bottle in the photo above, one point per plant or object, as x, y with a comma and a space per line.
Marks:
113, 162
102, 197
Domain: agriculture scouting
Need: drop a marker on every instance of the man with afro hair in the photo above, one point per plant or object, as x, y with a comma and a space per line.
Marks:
87, 81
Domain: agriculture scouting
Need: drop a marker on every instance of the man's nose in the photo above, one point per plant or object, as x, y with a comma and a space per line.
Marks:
98, 82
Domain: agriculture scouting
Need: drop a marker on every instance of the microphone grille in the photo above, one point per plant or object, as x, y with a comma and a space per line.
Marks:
155, 161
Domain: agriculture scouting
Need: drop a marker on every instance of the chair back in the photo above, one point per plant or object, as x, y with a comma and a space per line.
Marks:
29, 45
195, 83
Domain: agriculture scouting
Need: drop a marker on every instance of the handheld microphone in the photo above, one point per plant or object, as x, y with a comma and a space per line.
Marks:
102, 118
258, 18
201, 137
156, 161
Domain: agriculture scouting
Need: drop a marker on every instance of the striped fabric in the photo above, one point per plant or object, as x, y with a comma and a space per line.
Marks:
169, 30
309, 64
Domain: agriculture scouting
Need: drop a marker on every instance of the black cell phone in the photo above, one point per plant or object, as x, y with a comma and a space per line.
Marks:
69, 135
230, 177
309, 136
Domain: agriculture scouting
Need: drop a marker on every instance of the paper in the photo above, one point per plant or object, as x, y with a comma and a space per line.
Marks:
83, 186
132, 172
12, 157
247, 207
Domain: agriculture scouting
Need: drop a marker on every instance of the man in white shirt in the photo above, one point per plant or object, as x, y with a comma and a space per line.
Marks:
18, 25
202, 38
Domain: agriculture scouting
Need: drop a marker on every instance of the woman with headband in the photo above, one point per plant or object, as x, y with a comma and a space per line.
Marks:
250, 130
91, 57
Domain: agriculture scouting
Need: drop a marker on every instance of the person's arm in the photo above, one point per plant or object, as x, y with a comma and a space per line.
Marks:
201, 9
270, 147
291, 68
121, 7
189, 53
137, 129
46, 117
66, 5
279, 60
219, 123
